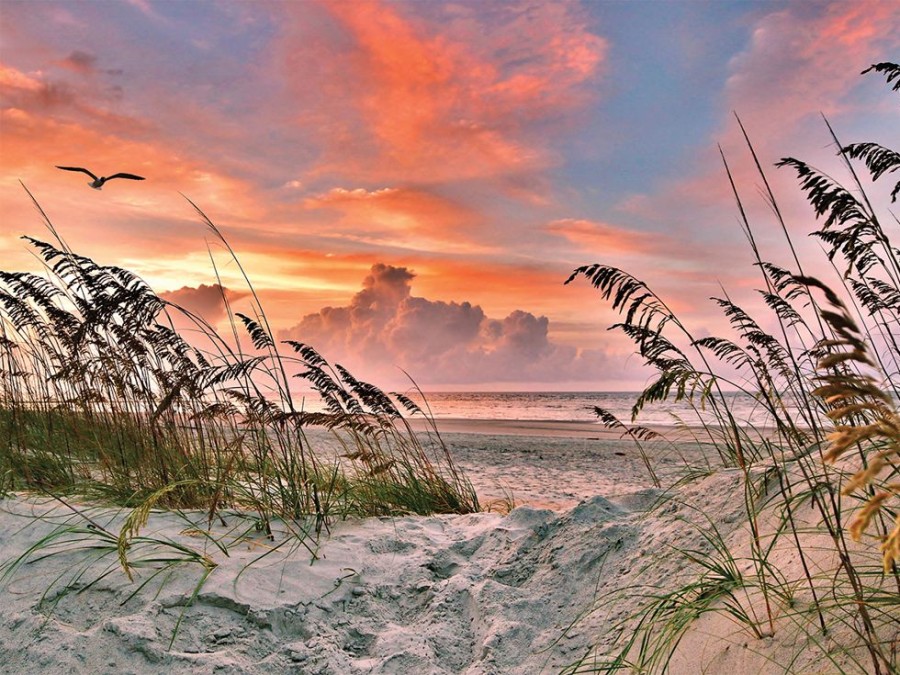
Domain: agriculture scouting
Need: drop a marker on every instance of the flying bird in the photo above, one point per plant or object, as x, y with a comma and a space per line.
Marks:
97, 183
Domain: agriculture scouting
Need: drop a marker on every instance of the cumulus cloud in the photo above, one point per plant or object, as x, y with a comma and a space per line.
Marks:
385, 327
207, 301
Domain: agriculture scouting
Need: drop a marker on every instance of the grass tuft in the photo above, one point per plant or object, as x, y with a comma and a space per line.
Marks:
111, 395
824, 465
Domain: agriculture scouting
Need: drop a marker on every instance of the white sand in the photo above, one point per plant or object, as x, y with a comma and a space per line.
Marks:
478, 594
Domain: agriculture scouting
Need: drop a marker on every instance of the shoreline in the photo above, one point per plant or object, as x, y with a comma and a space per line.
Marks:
507, 427
573, 429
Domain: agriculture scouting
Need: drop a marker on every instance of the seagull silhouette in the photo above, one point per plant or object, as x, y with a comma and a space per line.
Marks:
97, 183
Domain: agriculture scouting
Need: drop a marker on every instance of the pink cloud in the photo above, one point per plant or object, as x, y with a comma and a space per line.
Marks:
802, 60
805, 59
385, 327
431, 97
13, 80
609, 239
89, 103
206, 301
400, 216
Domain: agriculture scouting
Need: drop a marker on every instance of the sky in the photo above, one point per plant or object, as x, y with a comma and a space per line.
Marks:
408, 184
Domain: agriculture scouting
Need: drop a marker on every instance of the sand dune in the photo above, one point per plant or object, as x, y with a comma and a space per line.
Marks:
527, 592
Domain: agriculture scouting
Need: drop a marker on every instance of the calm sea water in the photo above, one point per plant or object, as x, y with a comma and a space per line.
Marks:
573, 406
577, 406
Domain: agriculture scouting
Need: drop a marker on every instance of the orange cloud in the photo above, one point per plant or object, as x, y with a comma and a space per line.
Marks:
33, 144
608, 239
499, 285
431, 98
12, 80
403, 217
138, 222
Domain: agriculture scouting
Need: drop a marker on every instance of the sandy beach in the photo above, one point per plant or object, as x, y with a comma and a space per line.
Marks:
558, 464
530, 591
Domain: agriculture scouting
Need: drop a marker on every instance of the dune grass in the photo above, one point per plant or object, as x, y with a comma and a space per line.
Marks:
105, 396
821, 483
116, 402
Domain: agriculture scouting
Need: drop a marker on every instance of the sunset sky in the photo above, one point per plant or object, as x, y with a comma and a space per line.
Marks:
408, 184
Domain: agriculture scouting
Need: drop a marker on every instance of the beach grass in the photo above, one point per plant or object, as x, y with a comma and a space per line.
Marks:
821, 484
102, 397
105, 403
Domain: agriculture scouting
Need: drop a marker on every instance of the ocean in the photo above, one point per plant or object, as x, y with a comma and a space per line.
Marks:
575, 406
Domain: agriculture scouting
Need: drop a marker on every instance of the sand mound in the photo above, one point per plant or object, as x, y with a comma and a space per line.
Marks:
528, 592
476, 594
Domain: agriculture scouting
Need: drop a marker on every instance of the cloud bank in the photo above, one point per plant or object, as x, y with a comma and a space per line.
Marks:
385, 327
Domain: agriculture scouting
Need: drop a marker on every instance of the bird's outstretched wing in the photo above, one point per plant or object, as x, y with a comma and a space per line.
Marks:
130, 176
77, 168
